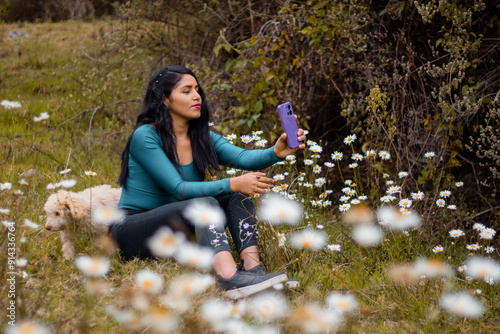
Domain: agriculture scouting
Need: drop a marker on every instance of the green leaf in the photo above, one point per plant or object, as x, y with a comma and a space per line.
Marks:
258, 106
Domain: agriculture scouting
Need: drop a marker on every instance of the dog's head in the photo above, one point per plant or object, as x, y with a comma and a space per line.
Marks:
61, 209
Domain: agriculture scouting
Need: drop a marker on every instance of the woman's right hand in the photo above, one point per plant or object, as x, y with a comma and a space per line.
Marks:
254, 183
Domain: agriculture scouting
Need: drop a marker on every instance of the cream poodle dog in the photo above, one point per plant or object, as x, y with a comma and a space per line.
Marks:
67, 211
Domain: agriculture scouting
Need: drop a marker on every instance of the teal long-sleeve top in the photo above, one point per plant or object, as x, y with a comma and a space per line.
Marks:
153, 180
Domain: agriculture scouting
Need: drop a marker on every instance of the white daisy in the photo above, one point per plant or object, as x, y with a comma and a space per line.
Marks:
441, 203
90, 173
429, 155
371, 153
478, 227
334, 247
384, 155
316, 149
344, 207
337, 156
445, 193
418, 196
438, 249
357, 157
405, 203
350, 139
402, 174
456, 233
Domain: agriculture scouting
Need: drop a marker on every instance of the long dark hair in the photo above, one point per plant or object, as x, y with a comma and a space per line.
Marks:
155, 111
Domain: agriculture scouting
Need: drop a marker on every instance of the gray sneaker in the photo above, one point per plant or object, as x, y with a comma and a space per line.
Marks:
259, 270
244, 283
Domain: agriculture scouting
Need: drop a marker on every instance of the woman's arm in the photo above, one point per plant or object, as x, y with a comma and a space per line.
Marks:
145, 148
234, 156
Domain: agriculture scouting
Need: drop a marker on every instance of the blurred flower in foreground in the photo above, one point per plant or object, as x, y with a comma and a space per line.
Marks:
334, 247
276, 209
5, 186
201, 214
268, 306
43, 116
127, 318
27, 326
162, 321
308, 239
149, 282
66, 183
217, 311
462, 304
190, 284
108, 215
367, 235
92, 266
410, 273
195, 256
281, 239
395, 220
311, 318
10, 104
481, 268
164, 243
343, 303
30, 224
358, 215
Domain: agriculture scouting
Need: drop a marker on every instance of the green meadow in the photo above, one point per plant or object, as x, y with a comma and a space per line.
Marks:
91, 85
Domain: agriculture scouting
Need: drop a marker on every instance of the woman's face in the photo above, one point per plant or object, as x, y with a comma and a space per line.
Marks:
184, 103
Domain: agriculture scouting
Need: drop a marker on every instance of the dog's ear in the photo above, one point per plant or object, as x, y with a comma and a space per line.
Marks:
72, 203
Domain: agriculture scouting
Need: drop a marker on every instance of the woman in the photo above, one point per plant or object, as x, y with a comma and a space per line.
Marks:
163, 170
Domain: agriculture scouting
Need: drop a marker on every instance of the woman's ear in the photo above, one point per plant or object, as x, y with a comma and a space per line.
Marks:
165, 100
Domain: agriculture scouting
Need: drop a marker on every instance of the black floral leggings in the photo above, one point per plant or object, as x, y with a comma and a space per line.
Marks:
132, 234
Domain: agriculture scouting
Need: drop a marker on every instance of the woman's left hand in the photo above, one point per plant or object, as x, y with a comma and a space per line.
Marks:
281, 148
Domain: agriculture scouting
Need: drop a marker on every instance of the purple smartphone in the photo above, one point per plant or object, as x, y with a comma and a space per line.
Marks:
289, 124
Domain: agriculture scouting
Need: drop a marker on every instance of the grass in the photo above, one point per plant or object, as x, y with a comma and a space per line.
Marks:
91, 86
